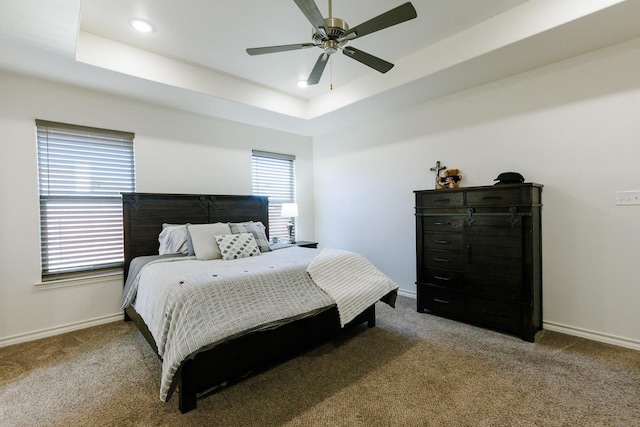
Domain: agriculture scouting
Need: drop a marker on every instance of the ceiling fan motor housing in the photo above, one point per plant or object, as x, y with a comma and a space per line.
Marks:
336, 28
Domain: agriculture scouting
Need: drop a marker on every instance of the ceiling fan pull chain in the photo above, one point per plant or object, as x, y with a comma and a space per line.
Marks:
331, 73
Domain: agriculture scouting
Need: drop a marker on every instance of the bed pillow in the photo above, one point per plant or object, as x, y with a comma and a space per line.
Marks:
239, 245
190, 250
257, 229
203, 239
173, 239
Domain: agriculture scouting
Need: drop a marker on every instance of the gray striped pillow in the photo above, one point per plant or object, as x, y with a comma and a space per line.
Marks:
257, 229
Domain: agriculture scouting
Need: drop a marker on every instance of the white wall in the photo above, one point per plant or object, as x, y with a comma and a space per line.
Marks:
175, 153
573, 127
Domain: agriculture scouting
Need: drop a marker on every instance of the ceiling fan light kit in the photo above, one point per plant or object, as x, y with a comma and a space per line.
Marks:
332, 34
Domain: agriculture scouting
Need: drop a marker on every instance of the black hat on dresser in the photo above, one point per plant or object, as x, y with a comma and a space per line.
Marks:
509, 178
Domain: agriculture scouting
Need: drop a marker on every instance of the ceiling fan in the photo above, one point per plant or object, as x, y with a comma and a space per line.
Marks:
332, 34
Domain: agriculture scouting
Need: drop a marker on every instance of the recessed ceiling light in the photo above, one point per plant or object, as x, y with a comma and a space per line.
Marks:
140, 25
302, 83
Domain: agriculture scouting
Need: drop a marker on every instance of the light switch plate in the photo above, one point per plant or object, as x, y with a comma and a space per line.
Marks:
628, 197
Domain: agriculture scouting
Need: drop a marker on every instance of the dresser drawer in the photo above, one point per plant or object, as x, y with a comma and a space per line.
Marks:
442, 241
447, 278
494, 197
441, 301
441, 259
495, 313
439, 199
442, 223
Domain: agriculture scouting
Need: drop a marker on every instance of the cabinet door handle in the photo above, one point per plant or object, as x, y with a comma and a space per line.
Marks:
492, 198
441, 200
442, 260
469, 254
442, 278
441, 301
443, 242
441, 223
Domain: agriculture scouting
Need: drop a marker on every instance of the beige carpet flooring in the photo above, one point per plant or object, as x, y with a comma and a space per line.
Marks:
411, 370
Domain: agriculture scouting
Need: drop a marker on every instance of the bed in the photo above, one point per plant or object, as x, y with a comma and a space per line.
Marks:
196, 373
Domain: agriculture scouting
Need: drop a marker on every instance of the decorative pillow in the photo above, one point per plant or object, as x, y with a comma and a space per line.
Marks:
203, 239
240, 245
257, 229
173, 239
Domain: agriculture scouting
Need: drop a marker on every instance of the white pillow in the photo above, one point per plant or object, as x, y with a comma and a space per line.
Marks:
203, 239
173, 239
239, 245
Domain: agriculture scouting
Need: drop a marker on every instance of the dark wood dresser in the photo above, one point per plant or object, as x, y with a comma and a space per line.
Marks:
479, 256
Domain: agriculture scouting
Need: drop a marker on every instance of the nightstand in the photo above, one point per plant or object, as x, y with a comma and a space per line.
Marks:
305, 244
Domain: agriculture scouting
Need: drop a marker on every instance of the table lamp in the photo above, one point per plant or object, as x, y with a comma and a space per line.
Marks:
290, 210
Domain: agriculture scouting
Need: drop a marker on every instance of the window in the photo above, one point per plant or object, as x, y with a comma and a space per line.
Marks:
274, 176
82, 172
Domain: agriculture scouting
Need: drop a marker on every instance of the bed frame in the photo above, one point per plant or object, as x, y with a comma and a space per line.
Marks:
143, 216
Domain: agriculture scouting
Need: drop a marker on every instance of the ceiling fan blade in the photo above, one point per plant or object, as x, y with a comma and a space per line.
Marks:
368, 59
311, 11
392, 17
316, 73
273, 49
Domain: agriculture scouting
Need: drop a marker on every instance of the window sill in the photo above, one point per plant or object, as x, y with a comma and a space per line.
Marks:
80, 281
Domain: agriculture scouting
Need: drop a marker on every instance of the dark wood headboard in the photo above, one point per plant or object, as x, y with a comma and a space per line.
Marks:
144, 214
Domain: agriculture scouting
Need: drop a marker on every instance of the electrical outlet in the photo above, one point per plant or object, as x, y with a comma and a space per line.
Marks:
628, 197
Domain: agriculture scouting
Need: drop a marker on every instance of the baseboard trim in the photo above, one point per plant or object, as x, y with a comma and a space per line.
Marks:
592, 335
405, 293
49, 332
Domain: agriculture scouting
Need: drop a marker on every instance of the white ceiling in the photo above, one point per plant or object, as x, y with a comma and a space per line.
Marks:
215, 34
195, 59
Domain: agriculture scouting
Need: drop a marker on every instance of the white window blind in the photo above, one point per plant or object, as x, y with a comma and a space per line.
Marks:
82, 172
274, 176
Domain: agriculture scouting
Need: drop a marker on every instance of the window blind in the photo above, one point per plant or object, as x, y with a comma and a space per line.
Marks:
82, 172
274, 176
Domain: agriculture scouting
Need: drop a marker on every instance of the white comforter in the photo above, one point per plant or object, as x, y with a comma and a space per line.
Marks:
192, 305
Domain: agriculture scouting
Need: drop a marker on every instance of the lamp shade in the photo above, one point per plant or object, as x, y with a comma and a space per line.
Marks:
289, 210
